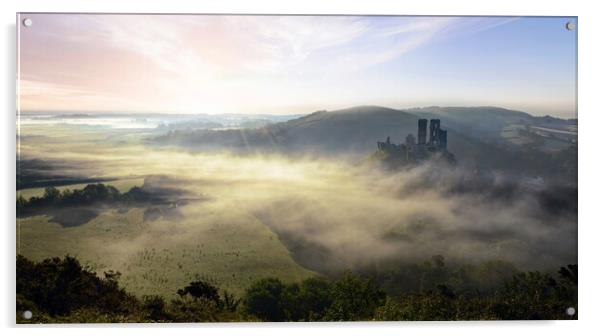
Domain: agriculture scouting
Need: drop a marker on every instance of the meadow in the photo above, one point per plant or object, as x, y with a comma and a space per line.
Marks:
154, 257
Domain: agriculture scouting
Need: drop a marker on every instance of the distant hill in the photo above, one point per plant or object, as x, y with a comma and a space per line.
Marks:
353, 133
350, 131
485, 121
506, 127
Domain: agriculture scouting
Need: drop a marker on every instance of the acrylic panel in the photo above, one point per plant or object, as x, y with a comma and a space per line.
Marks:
227, 168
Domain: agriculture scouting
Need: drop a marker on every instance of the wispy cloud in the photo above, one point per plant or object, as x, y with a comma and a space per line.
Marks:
191, 63
209, 46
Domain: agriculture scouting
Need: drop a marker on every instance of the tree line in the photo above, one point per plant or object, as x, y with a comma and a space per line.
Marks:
90, 194
62, 290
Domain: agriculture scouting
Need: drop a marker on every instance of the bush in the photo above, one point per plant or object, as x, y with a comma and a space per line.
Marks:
265, 299
354, 299
156, 307
201, 290
350, 298
60, 286
62, 291
536, 296
314, 299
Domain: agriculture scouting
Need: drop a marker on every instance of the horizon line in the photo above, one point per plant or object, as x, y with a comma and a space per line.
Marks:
30, 111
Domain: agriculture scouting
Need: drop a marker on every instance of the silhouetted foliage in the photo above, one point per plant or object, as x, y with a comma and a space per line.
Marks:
90, 194
60, 286
354, 299
75, 207
466, 279
230, 302
536, 296
200, 301
201, 290
156, 307
61, 290
349, 298
314, 299
266, 299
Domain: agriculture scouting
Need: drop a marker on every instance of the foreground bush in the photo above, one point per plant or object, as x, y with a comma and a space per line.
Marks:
60, 286
62, 291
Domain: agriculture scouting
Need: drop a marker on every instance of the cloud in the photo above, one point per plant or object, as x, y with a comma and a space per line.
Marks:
189, 63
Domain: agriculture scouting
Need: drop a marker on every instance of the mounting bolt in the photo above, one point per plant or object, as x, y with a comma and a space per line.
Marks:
27, 314
569, 25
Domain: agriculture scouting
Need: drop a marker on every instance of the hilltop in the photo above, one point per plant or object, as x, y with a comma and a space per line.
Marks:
482, 137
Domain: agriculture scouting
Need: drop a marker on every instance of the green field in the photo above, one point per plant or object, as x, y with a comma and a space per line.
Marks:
161, 256
216, 240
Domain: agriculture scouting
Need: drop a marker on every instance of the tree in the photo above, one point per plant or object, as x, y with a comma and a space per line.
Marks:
60, 286
201, 290
156, 308
264, 299
354, 299
314, 299
530, 295
51, 194
21, 204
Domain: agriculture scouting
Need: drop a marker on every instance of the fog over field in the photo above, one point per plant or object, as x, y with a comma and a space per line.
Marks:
319, 215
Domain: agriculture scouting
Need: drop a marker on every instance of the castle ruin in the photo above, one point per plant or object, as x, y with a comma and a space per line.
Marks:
415, 152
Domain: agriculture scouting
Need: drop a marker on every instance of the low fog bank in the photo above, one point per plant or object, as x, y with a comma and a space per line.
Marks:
385, 217
333, 215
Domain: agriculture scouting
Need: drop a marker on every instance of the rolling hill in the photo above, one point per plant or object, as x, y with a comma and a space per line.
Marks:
474, 136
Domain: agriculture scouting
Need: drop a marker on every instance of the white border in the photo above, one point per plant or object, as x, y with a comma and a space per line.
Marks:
589, 151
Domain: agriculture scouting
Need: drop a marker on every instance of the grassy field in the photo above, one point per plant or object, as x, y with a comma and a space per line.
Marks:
161, 256
216, 240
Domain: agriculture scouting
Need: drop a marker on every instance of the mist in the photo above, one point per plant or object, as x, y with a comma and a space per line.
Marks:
334, 216
240, 217
408, 216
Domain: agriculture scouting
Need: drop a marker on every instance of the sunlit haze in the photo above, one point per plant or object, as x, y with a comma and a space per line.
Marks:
293, 64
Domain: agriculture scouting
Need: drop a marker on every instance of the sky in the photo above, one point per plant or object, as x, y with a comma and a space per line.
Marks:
293, 64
